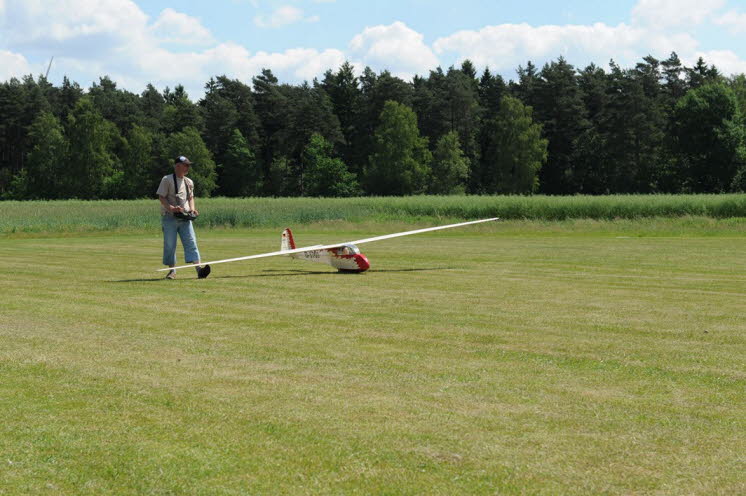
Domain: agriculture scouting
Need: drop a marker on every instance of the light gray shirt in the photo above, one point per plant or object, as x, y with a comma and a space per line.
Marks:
178, 196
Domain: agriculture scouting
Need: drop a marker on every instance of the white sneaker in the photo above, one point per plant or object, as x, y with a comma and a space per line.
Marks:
171, 274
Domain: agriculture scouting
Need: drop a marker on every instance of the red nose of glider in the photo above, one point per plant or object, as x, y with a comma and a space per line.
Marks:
362, 262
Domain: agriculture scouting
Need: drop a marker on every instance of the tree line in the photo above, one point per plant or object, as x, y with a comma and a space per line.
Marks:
659, 127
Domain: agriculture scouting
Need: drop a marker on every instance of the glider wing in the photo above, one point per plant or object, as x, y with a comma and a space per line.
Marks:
337, 245
261, 255
417, 231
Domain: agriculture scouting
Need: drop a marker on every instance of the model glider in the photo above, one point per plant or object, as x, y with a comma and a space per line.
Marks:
345, 257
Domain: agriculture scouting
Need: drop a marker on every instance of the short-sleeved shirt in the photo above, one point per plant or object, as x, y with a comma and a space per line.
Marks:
177, 196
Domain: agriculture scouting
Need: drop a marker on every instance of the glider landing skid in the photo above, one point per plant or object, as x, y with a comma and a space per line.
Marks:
345, 257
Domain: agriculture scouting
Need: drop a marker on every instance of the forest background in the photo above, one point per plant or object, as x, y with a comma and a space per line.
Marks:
659, 127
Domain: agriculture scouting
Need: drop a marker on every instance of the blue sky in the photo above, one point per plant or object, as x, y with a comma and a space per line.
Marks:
166, 43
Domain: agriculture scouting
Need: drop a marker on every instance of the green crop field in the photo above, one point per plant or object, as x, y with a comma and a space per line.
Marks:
128, 215
520, 357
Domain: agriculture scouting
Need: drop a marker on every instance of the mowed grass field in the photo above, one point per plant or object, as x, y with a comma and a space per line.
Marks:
520, 357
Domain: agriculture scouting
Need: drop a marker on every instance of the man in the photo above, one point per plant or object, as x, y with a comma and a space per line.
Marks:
176, 193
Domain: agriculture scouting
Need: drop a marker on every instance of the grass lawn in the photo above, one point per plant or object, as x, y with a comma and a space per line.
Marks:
512, 358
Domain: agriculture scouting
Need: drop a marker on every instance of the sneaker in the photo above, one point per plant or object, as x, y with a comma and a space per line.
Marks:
203, 272
171, 274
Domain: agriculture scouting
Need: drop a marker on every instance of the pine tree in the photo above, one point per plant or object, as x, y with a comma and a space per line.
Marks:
559, 108
180, 112
343, 88
228, 105
115, 105
525, 88
590, 159
273, 109
674, 86
463, 110
21, 102
491, 90
429, 101
632, 128
702, 74
152, 106
221, 117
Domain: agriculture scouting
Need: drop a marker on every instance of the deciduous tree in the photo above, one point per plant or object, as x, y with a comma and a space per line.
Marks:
92, 166
400, 162
709, 138
240, 173
450, 168
515, 151
324, 174
189, 142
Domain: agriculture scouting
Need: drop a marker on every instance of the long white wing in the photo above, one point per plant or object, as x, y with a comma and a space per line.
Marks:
325, 247
417, 231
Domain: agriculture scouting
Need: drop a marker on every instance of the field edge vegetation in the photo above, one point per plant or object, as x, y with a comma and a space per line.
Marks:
78, 216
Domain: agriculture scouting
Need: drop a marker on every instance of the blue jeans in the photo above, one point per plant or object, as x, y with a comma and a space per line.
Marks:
171, 226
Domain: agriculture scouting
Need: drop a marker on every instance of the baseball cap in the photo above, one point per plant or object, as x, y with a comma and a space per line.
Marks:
181, 159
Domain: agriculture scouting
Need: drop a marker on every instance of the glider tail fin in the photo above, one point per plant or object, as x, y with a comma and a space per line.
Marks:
287, 240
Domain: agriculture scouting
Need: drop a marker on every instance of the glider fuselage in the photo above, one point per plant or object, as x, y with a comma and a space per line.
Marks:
346, 258
344, 261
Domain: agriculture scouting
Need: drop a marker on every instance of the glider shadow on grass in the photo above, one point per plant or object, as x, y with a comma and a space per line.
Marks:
288, 272
300, 272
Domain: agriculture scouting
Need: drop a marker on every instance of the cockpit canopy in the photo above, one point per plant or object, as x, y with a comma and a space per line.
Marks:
348, 249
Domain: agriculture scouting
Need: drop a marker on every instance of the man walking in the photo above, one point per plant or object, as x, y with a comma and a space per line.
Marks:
176, 194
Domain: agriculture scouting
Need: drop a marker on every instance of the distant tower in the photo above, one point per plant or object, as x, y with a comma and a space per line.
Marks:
49, 67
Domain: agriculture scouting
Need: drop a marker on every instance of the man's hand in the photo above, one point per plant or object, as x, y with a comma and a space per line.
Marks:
174, 210
195, 211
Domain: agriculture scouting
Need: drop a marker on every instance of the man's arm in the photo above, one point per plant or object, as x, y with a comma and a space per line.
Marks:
190, 192
169, 207
163, 189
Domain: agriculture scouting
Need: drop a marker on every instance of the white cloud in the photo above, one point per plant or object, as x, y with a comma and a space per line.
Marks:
510, 43
193, 69
12, 65
505, 46
176, 27
734, 20
668, 13
726, 61
283, 16
297, 64
93, 38
396, 48
45, 25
